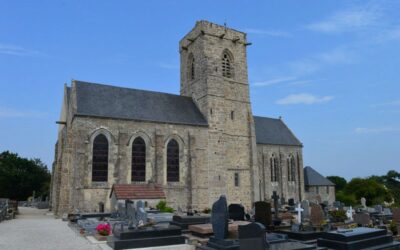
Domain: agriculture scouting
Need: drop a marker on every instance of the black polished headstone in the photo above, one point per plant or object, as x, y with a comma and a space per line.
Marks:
291, 202
219, 218
252, 237
236, 212
263, 213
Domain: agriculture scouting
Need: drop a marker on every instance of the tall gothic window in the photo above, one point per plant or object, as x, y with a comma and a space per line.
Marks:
138, 160
227, 70
191, 68
100, 158
274, 169
173, 161
292, 169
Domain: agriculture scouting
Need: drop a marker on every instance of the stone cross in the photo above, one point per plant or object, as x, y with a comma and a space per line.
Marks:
299, 210
275, 197
349, 213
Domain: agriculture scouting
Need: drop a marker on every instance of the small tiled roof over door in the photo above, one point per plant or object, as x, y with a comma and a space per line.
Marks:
137, 191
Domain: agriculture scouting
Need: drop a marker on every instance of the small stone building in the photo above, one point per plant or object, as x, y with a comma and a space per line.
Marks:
318, 188
198, 145
149, 193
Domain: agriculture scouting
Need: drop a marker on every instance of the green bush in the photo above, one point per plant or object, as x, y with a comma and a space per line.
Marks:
162, 206
393, 228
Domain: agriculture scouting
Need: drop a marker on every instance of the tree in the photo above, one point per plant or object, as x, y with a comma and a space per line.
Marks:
340, 182
370, 188
392, 182
19, 177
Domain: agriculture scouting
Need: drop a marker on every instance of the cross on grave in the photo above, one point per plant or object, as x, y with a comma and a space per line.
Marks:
299, 210
275, 197
349, 213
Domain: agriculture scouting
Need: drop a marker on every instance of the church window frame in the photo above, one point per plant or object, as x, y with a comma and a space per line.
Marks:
191, 67
173, 161
237, 179
100, 158
138, 160
274, 169
227, 64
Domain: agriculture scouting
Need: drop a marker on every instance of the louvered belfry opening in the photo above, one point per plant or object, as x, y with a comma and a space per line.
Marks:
100, 159
226, 66
138, 160
173, 161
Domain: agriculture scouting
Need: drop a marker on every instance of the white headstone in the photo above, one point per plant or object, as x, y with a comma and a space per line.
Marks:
299, 210
363, 202
349, 213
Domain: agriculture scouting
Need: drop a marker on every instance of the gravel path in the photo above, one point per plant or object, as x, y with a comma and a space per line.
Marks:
33, 229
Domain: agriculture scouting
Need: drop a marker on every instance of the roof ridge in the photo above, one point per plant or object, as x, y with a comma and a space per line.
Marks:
128, 88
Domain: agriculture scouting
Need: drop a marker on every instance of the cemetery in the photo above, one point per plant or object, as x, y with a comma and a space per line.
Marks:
271, 224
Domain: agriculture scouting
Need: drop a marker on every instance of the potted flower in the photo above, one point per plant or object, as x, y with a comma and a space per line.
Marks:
103, 230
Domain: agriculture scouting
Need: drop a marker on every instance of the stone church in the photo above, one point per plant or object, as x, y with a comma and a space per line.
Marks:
195, 146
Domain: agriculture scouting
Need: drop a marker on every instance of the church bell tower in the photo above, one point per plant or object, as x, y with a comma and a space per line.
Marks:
214, 74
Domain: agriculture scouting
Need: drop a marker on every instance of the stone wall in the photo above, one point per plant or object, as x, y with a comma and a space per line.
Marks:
284, 187
326, 193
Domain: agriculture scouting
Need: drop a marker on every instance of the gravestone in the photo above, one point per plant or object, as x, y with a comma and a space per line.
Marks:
396, 215
336, 204
219, 218
219, 221
378, 209
263, 213
282, 201
236, 212
121, 210
362, 219
349, 213
252, 237
306, 206
387, 211
291, 202
275, 198
141, 215
363, 202
131, 215
317, 215
299, 210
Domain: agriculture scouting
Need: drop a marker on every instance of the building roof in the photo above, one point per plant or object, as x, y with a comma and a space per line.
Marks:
137, 191
313, 178
133, 104
274, 131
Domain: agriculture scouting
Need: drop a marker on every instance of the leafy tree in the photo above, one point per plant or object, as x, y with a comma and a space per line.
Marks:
340, 182
19, 177
370, 188
347, 199
392, 182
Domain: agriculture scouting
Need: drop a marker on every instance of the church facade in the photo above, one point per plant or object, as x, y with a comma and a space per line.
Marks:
197, 146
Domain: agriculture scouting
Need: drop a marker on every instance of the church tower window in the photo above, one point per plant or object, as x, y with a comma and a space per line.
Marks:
100, 158
191, 68
227, 69
292, 169
138, 160
173, 161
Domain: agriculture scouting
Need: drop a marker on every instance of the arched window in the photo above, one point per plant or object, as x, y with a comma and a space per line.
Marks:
227, 70
173, 161
100, 158
138, 160
274, 169
191, 68
292, 168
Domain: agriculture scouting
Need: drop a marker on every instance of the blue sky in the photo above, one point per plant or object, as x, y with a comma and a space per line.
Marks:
329, 68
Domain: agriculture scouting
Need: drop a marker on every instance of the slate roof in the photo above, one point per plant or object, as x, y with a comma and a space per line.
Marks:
137, 191
116, 102
313, 178
274, 131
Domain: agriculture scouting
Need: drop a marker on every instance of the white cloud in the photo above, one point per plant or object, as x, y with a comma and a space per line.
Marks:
169, 65
376, 130
316, 62
13, 113
303, 98
8, 49
274, 81
276, 33
385, 104
348, 20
